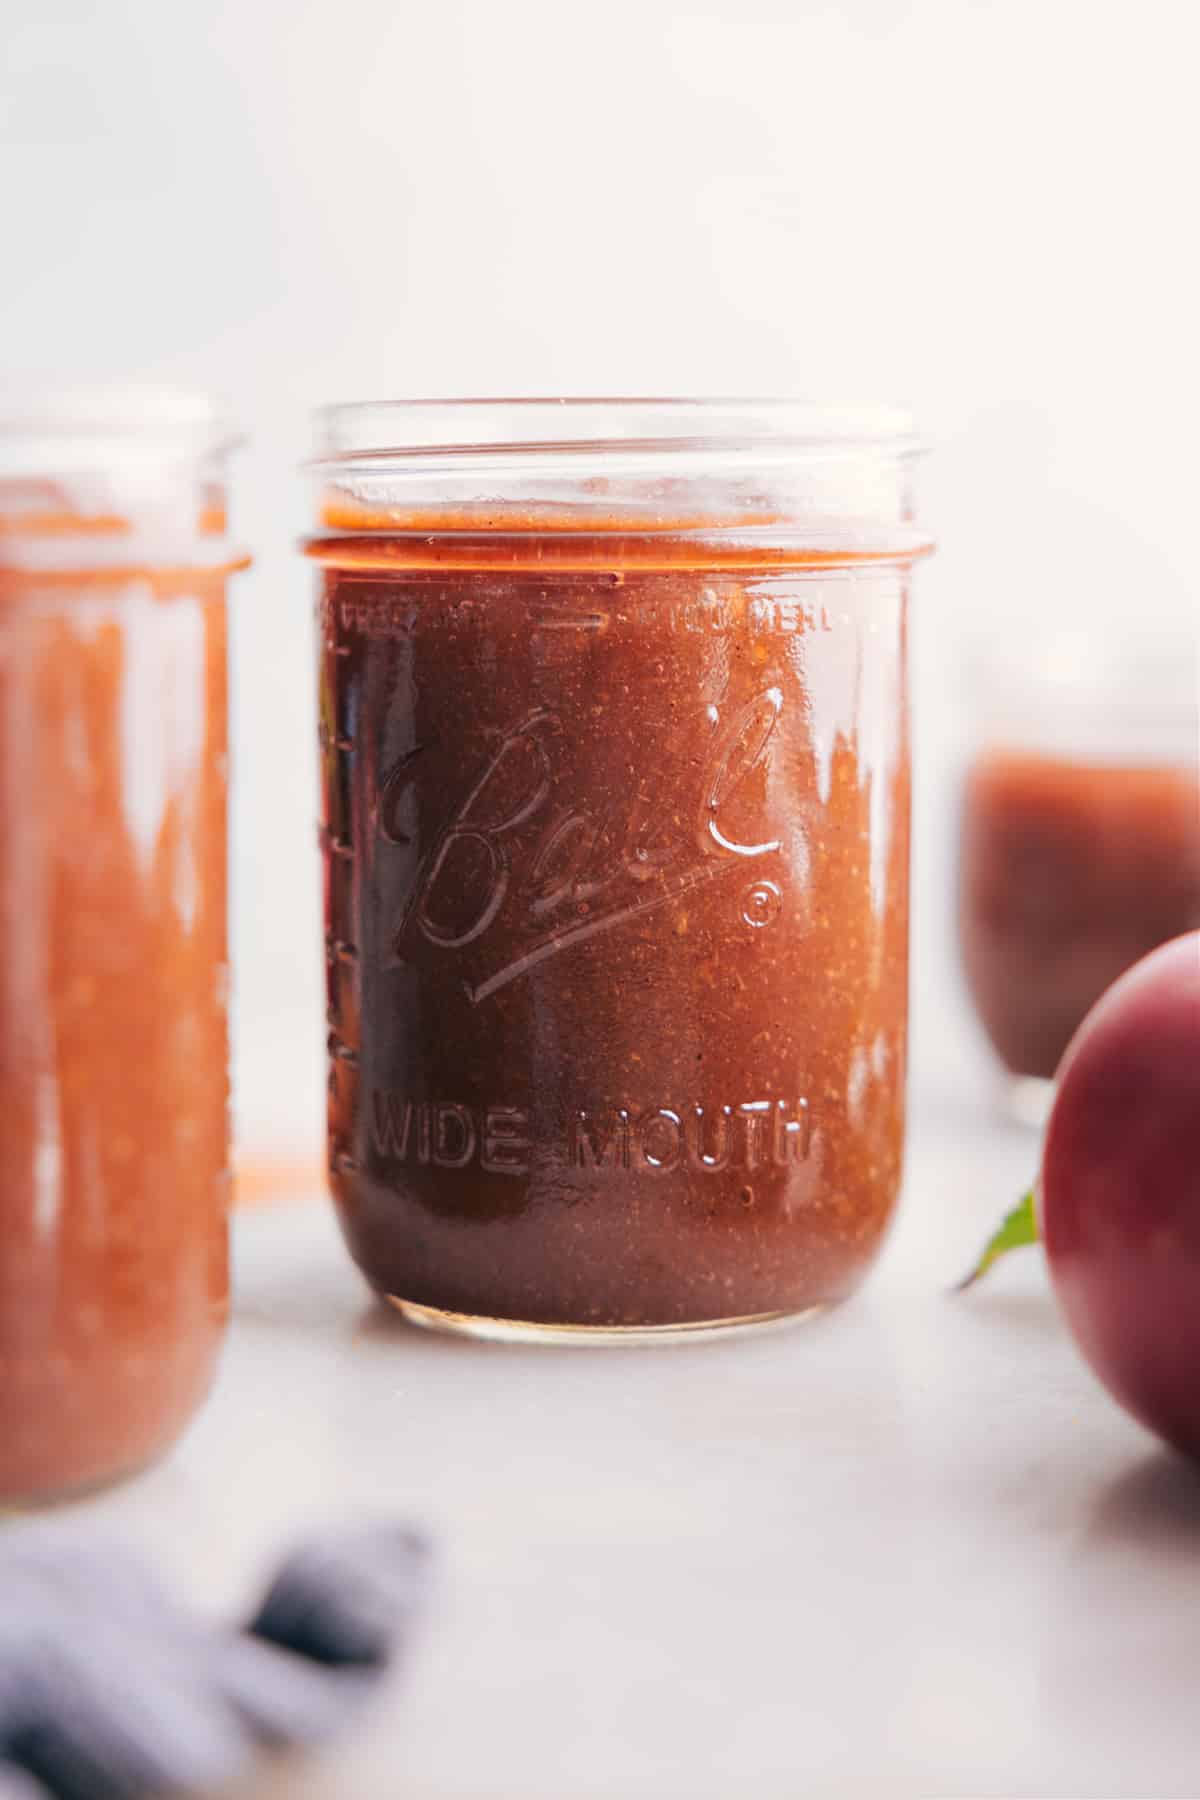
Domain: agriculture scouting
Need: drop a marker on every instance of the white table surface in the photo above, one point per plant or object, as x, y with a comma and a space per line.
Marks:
909, 1548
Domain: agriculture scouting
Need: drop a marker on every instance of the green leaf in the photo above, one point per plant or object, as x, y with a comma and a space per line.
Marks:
1018, 1228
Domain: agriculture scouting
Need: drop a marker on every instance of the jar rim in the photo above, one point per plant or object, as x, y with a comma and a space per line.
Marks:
103, 478
1113, 682
507, 427
46, 428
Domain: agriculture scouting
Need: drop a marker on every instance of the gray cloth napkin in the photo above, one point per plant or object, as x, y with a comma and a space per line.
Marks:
110, 1690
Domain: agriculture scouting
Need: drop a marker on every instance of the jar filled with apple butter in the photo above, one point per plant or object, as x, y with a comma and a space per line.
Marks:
615, 768
114, 1141
1079, 841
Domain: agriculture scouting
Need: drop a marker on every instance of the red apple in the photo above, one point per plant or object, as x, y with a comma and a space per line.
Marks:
1119, 1191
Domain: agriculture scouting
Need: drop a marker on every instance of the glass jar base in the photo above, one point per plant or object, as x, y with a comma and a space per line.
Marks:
528, 1331
1026, 1100
62, 1495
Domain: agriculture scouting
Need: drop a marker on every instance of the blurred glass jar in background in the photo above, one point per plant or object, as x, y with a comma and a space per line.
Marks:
1080, 831
114, 1139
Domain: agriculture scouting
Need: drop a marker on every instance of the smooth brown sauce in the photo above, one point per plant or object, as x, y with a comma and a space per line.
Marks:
616, 853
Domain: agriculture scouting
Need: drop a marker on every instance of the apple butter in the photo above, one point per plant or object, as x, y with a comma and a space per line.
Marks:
114, 1141
1072, 869
616, 828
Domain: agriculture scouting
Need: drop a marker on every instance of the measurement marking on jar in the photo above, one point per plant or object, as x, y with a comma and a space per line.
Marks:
327, 742
336, 846
566, 621
375, 615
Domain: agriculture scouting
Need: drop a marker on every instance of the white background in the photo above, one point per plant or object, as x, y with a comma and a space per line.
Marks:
982, 209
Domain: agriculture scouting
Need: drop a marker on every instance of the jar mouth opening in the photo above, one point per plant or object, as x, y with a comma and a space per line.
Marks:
102, 479
51, 430
502, 429
1109, 695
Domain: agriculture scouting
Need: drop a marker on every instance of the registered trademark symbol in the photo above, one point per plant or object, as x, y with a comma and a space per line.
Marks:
761, 903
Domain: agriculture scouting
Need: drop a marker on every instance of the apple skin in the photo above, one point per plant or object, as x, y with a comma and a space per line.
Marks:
1119, 1190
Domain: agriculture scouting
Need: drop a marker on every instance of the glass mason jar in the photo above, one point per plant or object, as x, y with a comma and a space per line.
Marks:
614, 745
1079, 845
114, 1142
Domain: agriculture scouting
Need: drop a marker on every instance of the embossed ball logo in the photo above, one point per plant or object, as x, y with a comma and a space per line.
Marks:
554, 871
